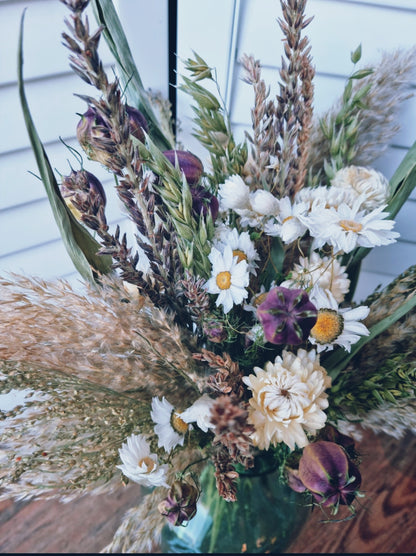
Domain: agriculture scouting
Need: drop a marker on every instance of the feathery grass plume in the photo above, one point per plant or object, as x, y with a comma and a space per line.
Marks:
400, 338
103, 335
259, 168
394, 419
212, 124
392, 382
387, 87
63, 440
341, 129
141, 528
294, 101
384, 370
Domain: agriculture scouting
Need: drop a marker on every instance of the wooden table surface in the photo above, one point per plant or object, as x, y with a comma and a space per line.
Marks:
386, 523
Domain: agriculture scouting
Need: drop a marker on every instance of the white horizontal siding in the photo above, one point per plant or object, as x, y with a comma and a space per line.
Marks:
337, 28
30, 241
206, 28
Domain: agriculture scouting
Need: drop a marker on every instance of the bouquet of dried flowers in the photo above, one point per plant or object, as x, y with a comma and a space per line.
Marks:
228, 332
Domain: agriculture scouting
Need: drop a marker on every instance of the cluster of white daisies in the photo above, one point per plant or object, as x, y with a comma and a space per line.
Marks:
288, 395
347, 215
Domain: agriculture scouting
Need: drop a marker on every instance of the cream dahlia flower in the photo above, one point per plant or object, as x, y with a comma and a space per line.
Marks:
288, 399
363, 181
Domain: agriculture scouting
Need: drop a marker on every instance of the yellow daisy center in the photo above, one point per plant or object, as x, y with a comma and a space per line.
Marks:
148, 462
259, 299
241, 256
350, 226
328, 326
178, 424
224, 280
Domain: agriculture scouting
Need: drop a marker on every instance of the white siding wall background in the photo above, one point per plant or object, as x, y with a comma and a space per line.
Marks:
338, 27
30, 242
220, 31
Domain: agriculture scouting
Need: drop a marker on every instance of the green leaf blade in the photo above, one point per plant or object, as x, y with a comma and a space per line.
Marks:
80, 245
116, 39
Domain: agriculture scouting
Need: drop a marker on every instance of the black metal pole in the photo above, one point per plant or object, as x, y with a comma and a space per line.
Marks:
172, 55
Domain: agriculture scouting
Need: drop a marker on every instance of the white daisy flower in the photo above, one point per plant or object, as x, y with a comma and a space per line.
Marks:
363, 181
289, 226
170, 428
229, 278
242, 246
288, 399
199, 412
347, 227
234, 194
336, 326
139, 465
327, 273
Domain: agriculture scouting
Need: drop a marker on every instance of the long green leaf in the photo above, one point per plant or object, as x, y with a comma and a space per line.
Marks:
106, 16
81, 246
337, 361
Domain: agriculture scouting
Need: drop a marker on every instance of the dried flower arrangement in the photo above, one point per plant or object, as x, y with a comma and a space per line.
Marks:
230, 335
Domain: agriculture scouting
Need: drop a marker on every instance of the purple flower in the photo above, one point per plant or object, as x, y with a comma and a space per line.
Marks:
188, 163
94, 136
180, 503
287, 316
138, 123
330, 433
82, 189
203, 200
84, 181
214, 330
326, 471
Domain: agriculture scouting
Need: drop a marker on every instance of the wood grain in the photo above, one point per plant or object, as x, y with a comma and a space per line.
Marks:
386, 523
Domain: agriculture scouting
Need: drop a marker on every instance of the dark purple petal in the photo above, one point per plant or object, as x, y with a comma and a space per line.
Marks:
188, 163
349, 490
323, 467
332, 434
287, 316
84, 185
203, 200
294, 481
138, 123
180, 503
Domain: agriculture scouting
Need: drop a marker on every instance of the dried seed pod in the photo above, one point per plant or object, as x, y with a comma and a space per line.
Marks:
188, 163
